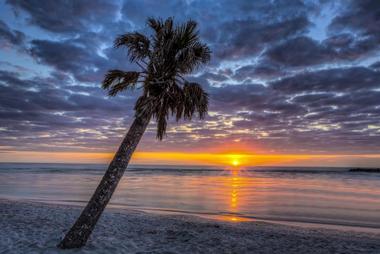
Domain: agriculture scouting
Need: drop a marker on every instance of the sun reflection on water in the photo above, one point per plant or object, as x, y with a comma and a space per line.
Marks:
235, 182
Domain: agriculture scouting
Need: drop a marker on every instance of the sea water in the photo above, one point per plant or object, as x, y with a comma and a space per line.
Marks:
330, 196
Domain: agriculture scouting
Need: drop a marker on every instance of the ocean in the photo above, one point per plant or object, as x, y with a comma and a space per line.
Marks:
325, 196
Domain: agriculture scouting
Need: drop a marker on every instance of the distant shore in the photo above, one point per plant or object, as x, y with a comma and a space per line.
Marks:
365, 170
36, 228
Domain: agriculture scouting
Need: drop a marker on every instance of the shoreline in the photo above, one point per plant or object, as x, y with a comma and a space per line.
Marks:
217, 217
37, 227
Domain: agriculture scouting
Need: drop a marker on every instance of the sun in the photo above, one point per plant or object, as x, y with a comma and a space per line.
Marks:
235, 162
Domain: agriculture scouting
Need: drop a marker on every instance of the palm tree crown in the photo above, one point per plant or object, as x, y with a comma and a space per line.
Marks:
164, 58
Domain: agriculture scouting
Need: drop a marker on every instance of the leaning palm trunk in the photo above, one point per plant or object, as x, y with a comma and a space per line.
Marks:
171, 52
81, 230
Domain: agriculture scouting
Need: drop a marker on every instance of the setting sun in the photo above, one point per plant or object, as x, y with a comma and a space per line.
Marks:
235, 162
134, 118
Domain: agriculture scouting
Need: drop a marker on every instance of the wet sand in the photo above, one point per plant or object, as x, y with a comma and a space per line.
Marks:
28, 227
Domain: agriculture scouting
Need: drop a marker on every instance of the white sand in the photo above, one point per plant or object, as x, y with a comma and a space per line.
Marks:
36, 228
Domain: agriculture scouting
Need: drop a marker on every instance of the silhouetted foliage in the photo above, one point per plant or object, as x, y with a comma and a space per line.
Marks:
164, 57
167, 55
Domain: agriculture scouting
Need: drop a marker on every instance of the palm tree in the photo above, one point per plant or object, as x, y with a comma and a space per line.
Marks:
164, 57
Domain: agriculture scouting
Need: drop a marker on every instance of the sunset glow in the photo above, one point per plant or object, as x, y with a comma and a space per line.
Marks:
235, 162
149, 114
212, 159
282, 91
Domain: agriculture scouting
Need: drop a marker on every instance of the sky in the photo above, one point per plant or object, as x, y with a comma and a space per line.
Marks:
290, 82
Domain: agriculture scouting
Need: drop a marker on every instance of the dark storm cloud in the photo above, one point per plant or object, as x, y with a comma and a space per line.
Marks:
301, 51
235, 97
31, 108
243, 38
376, 65
44, 95
69, 57
304, 51
247, 29
337, 108
361, 16
353, 34
256, 99
333, 80
62, 16
9, 37
270, 82
80, 57
262, 70
347, 47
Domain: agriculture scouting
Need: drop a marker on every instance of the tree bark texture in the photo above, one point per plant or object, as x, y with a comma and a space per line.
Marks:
81, 230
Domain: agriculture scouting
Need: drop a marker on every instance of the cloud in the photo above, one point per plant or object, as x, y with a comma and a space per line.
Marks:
300, 51
35, 108
334, 80
361, 16
244, 38
69, 57
261, 70
65, 16
304, 51
317, 111
376, 66
9, 37
273, 86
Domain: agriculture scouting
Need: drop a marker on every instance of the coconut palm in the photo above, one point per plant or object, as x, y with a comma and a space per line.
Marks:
164, 57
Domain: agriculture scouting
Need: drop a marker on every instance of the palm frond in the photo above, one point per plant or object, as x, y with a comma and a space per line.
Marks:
137, 44
168, 54
168, 24
116, 81
190, 51
161, 126
202, 52
195, 99
161, 113
186, 34
155, 24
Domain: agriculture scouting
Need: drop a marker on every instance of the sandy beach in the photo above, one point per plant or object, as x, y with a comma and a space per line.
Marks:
28, 227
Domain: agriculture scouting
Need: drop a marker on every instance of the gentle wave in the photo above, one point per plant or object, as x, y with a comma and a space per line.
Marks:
325, 195
100, 168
